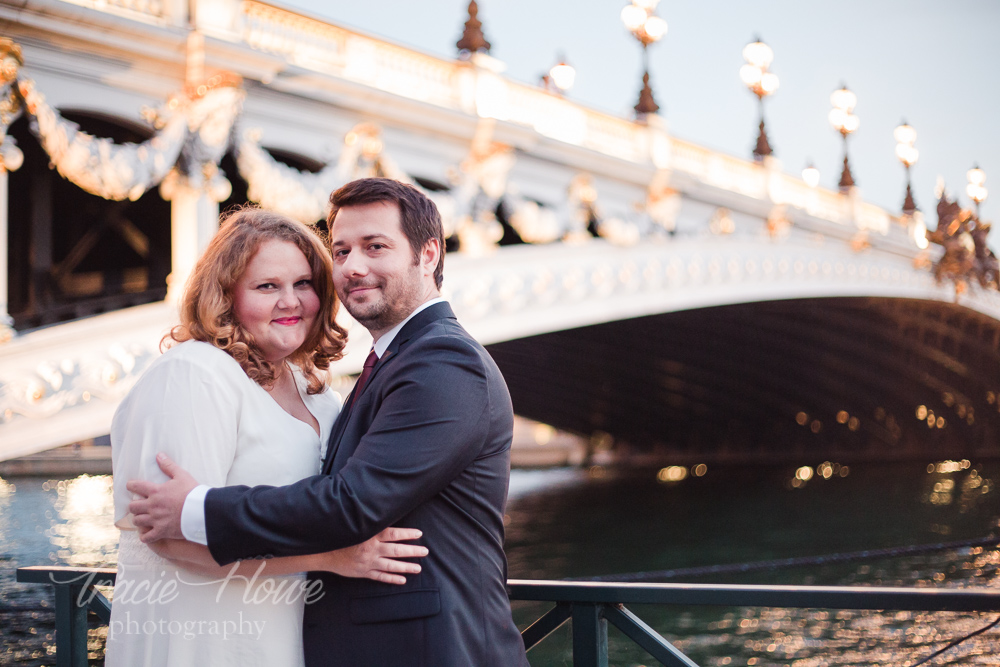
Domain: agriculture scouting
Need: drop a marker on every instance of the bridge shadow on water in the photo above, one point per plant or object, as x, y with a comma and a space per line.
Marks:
859, 377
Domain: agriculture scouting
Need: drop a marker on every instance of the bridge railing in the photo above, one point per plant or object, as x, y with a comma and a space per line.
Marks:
75, 596
589, 606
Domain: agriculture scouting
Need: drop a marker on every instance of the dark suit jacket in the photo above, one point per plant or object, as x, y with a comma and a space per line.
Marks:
426, 445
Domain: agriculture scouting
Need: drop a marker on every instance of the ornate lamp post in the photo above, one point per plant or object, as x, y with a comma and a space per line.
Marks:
560, 77
845, 122
905, 137
761, 82
647, 27
810, 175
975, 189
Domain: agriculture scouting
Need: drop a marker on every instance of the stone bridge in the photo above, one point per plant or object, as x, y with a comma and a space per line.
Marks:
634, 287
701, 346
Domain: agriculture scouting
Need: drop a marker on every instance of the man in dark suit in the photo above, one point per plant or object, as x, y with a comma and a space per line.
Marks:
423, 442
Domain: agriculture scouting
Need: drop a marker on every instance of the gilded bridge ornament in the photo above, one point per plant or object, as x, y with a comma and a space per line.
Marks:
305, 196
98, 165
480, 184
11, 60
193, 130
209, 116
966, 256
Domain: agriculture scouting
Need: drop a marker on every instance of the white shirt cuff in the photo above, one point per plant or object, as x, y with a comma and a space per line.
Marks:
193, 515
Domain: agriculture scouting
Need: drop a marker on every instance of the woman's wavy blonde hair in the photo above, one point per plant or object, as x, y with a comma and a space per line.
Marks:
207, 307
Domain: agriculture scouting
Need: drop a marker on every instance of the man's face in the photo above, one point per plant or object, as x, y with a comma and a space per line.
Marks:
375, 273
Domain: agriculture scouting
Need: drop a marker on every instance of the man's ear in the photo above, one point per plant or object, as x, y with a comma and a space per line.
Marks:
430, 255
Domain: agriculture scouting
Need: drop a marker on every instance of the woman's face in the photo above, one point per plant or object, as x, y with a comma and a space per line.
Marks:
274, 299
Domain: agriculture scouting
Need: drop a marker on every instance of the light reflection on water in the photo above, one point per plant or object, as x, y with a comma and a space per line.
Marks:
84, 533
48, 522
579, 523
619, 522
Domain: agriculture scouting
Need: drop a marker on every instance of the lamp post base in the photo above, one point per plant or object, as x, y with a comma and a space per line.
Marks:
647, 104
846, 178
763, 148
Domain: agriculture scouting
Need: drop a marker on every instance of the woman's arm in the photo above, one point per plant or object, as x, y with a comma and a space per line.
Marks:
372, 559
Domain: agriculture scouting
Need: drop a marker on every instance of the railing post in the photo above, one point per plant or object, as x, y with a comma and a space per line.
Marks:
71, 627
590, 636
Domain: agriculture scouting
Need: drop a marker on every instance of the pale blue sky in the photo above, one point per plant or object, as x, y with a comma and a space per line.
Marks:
934, 63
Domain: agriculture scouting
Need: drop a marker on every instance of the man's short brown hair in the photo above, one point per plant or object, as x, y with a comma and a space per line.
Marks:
418, 215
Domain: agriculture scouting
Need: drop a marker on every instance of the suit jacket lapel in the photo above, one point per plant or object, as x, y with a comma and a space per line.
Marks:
417, 322
336, 433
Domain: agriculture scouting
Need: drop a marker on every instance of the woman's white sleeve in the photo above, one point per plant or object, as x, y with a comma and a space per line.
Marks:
188, 411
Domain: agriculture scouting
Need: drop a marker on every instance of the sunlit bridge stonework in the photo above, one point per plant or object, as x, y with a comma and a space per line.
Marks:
637, 289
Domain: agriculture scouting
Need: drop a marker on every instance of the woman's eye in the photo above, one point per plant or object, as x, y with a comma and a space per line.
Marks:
304, 283
265, 286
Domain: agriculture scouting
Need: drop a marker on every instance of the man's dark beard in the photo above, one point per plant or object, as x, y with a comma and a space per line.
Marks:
381, 319
395, 307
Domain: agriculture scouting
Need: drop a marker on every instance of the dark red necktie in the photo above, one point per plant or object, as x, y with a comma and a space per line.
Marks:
365, 374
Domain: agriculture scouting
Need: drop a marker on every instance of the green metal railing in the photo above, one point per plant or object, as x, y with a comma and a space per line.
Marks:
590, 606
75, 596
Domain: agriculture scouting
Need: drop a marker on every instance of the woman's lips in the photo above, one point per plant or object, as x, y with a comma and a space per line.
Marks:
288, 321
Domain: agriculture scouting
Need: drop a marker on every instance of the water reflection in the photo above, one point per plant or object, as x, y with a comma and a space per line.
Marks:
84, 533
949, 477
581, 523
643, 521
6, 491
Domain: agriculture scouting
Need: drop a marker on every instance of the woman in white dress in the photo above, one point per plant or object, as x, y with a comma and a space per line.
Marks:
239, 398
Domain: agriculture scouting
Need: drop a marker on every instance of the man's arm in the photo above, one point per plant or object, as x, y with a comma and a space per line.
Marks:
372, 559
430, 426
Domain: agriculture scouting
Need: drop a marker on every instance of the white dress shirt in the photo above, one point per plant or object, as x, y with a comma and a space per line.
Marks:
193, 511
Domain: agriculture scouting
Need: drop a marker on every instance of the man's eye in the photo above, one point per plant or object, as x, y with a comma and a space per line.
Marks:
376, 246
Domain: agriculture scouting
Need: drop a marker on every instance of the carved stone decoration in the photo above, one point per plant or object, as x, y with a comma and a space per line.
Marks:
480, 184
98, 165
210, 111
619, 231
663, 202
533, 222
55, 386
364, 156
11, 156
778, 224
305, 196
586, 215
861, 241
278, 187
580, 208
722, 223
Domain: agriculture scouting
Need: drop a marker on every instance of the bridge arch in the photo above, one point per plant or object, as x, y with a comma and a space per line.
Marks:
707, 348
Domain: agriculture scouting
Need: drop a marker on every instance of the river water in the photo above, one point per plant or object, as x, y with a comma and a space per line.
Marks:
594, 522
